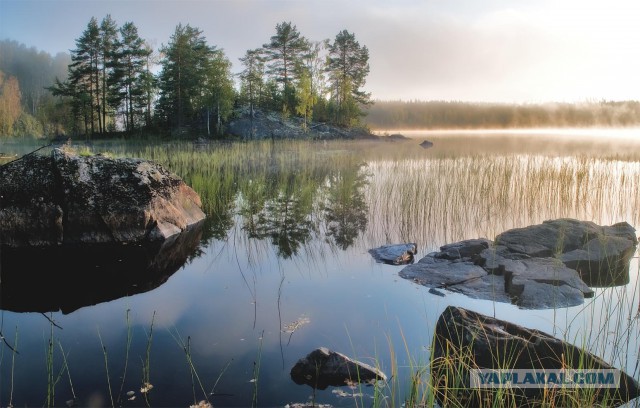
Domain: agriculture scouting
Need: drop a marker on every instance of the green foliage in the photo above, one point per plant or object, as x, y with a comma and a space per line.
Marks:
348, 67
306, 98
219, 90
284, 52
135, 81
27, 125
195, 78
251, 77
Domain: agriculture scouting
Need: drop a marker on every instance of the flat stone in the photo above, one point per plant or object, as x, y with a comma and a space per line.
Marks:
398, 254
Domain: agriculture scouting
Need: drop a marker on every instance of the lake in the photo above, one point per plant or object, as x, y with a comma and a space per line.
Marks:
282, 267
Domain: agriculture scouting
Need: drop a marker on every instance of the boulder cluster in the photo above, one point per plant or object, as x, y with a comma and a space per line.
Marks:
553, 264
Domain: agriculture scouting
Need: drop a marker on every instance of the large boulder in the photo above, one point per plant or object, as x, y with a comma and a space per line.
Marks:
550, 265
600, 254
465, 340
323, 367
66, 198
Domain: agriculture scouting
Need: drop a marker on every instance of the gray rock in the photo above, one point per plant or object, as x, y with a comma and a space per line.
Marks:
65, 198
600, 254
399, 254
426, 144
465, 339
527, 266
441, 273
323, 367
271, 125
469, 248
561, 236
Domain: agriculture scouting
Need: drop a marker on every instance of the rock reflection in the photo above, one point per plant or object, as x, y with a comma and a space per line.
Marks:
71, 277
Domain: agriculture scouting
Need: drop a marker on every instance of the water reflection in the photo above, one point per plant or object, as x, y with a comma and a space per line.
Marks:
69, 278
242, 288
346, 210
288, 206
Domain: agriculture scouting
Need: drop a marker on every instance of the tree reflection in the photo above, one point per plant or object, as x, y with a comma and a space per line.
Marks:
280, 208
283, 197
346, 209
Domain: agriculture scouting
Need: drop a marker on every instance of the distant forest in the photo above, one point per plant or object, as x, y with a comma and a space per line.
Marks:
467, 115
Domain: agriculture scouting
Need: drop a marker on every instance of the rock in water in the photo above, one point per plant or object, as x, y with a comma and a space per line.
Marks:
467, 340
426, 144
398, 254
323, 367
66, 198
550, 265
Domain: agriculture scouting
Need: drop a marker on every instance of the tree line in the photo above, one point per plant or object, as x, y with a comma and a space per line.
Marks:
111, 84
456, 115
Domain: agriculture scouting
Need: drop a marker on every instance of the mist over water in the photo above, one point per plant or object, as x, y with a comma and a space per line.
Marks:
600, 142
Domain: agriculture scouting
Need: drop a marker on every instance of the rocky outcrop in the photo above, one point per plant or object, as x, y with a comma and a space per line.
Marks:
323, 367
542, 266
466, 340
598, 253
65, 198
271, 125
398, 254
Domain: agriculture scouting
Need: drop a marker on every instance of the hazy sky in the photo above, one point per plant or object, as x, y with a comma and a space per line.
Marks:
523, 51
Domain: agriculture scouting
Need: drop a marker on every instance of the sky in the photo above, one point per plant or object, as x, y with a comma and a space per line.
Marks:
511, 51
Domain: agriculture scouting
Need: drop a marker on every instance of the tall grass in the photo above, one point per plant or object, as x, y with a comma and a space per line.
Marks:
286, 195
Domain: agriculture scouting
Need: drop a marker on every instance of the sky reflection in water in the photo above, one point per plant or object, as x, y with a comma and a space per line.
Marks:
229, 306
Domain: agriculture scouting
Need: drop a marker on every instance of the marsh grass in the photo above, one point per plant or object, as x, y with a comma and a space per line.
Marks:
273, 192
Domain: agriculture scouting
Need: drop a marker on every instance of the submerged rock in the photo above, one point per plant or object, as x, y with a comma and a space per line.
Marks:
323, 367
399, 254
542, 266
426, 144
465, 340
65, 198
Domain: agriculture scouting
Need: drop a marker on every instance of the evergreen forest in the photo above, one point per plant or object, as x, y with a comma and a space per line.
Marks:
115, 82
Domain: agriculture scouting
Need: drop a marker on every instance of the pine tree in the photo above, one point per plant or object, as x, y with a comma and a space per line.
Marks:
251, 78
108, 66
183, 73
283, 53
134, 76
84, 74
348, 67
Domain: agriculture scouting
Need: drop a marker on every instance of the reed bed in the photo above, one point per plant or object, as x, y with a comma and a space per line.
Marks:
304, 196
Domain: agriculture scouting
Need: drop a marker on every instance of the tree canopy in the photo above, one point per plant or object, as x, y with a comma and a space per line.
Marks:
111, 85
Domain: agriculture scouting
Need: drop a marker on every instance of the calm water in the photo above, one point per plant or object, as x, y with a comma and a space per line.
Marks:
282, 268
